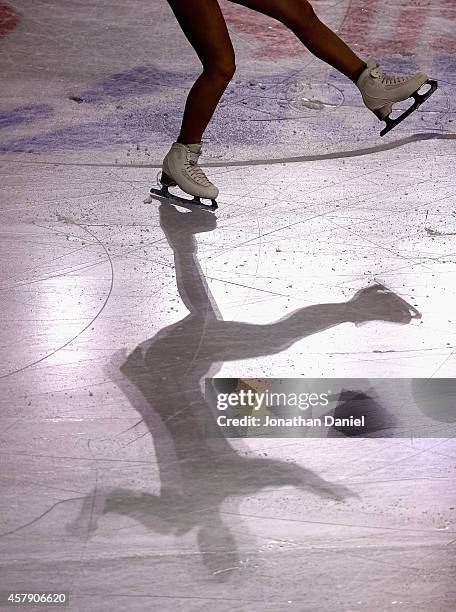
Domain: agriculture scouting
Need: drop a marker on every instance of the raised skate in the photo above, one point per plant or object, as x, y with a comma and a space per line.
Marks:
181, 169
380, 91
378, 303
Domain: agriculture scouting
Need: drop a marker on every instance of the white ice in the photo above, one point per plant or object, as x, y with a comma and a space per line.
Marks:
114, 311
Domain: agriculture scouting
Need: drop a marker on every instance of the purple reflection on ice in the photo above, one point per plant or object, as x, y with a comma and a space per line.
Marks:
141, 80
24, 114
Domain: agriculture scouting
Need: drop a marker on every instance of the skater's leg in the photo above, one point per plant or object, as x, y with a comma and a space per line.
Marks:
180, 230
300, 18
246, 340
204, 26
379, 91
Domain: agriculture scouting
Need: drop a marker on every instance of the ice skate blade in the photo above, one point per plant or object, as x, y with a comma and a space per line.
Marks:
419, 99
185, 202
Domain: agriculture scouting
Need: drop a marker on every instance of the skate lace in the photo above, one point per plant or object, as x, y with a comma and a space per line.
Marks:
386, 79
194, 170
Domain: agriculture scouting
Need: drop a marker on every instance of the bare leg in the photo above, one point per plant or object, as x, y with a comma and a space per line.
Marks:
247, 340
203, 24
300, 18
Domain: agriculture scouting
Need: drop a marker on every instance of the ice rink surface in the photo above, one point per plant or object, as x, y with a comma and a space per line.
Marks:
114, 311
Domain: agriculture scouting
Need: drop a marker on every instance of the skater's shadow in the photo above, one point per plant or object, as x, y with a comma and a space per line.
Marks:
162, 379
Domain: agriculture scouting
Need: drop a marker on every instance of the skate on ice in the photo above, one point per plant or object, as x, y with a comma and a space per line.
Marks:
380, 91
181, 169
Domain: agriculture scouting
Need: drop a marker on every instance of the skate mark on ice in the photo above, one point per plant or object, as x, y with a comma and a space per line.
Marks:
444, 362
90, 323
92, 512
344, 524
257, 267
433, 232
412, 261
364, 151
338, 154
39, 517
387, 465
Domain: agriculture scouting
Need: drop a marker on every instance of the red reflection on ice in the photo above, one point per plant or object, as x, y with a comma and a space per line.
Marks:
8, 19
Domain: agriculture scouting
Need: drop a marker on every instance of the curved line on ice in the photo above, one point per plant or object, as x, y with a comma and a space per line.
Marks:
86, 327
268, 162
339, 154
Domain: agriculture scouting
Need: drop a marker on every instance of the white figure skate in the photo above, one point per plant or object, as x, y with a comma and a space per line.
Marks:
380, 91
180, 168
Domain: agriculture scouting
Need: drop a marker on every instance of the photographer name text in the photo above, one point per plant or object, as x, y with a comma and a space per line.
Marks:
295, 421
